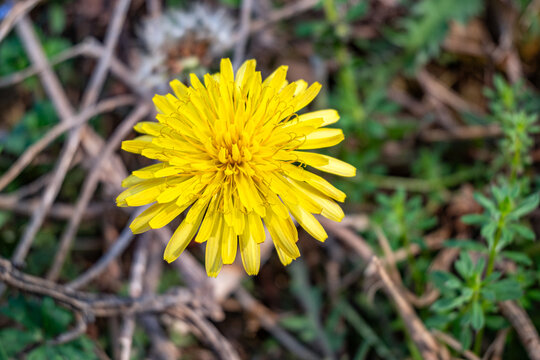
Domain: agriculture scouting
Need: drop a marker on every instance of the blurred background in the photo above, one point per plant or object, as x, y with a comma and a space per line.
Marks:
435, 259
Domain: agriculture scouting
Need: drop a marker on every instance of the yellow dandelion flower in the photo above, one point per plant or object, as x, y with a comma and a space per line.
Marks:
229, 150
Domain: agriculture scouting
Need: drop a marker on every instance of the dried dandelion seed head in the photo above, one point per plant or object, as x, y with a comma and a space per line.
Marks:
231, 149
180, 41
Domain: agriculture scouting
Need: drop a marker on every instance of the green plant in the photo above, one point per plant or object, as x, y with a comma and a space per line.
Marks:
35, 323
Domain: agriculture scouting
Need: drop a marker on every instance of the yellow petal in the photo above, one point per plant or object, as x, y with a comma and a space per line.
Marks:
328, 116
331, 165
298, 173
165, 216
181, 238
150, 128
306, 96
149, 171
283, 257
330, 209
245, 72
250, 252
228, 245
322, 138
307, 221
143, 193
138, 144
212, 259
283, 234
179, 89
140, 223
130, 181
256, 227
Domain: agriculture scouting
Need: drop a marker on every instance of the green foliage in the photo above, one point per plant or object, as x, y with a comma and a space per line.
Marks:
403, 219
37, 322
423, 32
467, 299
30, 128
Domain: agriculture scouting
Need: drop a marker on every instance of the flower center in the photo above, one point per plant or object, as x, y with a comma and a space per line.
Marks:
235, 154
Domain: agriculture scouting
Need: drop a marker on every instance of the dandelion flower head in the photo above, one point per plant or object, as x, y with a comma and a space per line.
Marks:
231, 149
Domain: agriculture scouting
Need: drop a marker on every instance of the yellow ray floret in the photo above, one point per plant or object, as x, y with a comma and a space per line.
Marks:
230, 148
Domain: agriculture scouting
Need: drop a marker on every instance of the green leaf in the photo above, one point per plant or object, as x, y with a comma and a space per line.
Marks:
465, 338
57, 19
445, 304
477, 316
471, 245
474, 219
485, 202
444, 280
523, 231
518, 257
465, 266
506, 289
526, 206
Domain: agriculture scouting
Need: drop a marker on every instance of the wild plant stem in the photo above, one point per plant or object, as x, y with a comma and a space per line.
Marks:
489, 271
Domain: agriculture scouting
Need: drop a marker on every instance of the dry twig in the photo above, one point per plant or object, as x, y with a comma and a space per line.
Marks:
91, 305
138, 266
243, 33
425, 342
90, 185
524, 327
31, 152
454, 344
18, 10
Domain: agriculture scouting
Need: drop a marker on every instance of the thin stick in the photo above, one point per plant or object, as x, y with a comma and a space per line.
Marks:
111, 38
115, 250
30, 153
34, 49
524, 327
90, 185
58, 211
354, 241
243, 33
454, 344
19, 9
424, 341
65, 111
140, 259
89, 47
285, 12
208, 333
269, 322
90, 304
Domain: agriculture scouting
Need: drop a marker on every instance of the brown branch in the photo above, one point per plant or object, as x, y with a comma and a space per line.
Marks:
243, 33
91, 305
423, 339
65, 111
524, 327
496, 348
111, 39
442, 93
30, 153
58, 211
19, 9
454, 344
90, 47
270, 323
207, 332
124, 239
140, 260
462, 133
90, 185
285, 12
349, 237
